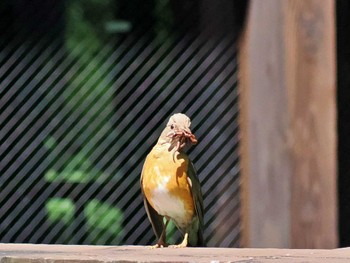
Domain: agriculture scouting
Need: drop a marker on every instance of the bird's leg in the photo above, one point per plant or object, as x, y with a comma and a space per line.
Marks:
162, 239
184, 242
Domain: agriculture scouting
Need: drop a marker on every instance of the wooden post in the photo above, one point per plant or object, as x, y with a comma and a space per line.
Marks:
288, 124
311, 81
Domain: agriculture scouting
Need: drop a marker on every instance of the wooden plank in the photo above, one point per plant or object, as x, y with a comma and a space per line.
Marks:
288, 136
310, 72
24, 253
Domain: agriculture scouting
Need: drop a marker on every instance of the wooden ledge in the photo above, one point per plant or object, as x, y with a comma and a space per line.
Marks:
28, 253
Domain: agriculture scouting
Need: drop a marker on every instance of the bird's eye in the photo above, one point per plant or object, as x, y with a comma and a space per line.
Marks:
172, 126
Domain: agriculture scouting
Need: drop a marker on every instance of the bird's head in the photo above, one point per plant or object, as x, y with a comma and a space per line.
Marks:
177, 132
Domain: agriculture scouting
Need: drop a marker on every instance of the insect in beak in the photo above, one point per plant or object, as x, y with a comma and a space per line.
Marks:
183, 136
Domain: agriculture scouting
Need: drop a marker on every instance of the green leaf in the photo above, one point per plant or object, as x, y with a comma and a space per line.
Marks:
60, 209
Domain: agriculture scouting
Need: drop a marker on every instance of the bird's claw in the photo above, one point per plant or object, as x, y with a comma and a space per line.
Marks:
160, 244
183, 244
156, 246
178, 246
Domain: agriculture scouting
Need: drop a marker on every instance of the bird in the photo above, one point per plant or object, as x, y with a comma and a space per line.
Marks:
170, 186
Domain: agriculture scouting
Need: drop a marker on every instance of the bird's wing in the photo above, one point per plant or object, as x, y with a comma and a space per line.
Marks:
155, 219
198, 199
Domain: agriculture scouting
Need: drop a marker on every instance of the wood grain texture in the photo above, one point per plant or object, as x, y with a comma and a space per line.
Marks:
265, 119
29, 253
244, 139
288, 122
310, 68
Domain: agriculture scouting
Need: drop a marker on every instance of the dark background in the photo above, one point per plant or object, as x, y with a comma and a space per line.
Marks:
343, 100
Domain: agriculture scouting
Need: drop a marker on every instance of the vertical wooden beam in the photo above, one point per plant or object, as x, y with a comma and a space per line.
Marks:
245, 237
287, 87
265, 158
311, 85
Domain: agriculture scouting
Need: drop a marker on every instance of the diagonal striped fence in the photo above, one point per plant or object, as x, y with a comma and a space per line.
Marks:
77, 123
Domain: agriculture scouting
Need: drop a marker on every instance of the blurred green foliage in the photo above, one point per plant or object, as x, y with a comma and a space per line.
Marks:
60, 209
86, 20
103, 220
88, 87
90, 27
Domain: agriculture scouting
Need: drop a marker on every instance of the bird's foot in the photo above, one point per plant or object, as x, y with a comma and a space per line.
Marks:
178, 246
158, 245
183, 244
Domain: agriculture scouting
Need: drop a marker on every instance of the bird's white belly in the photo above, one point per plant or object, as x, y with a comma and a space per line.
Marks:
166, 204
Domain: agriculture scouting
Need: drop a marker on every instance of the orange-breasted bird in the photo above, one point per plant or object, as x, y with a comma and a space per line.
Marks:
170, 186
